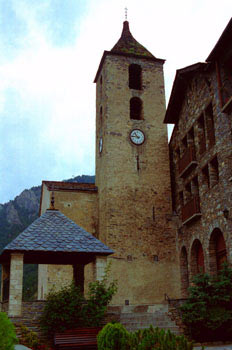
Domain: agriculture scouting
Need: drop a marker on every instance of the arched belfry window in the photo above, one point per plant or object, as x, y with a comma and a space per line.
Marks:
136, 108
135, 77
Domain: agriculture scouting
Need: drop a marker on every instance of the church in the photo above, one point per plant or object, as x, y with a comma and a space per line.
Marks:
129, 207
162, 211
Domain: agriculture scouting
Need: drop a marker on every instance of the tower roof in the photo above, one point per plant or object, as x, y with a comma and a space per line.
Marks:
128, 45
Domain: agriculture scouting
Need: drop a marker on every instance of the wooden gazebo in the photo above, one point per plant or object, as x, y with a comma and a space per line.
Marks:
51, 239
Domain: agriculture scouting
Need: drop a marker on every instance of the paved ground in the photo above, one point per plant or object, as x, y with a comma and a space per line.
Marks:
21, 347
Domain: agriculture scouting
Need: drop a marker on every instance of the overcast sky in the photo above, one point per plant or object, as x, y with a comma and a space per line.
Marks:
49, 54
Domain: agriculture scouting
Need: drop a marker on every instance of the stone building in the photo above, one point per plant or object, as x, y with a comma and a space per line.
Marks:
200, 107
162, 232
129, 207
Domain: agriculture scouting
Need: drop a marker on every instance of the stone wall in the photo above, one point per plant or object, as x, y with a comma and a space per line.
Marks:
31, 312
134, 183
213, 171
79, 203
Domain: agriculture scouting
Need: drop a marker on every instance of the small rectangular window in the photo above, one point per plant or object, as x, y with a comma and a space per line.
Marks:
214, 174
135, 77
181, 198
210, 125
205, 176
195, 186
201, 135
188, 192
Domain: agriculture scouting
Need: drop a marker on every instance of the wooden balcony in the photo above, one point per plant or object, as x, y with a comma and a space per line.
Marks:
191, 210
187, 161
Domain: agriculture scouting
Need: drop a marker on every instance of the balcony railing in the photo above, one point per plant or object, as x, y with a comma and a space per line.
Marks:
191, 210
187, 161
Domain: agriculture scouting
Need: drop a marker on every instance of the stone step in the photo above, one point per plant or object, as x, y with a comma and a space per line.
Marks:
141, 320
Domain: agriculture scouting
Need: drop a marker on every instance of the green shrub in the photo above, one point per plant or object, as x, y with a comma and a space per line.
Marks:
29, 338
7, 333
68, 308
208, 309
62, 310
113, 337
99, 295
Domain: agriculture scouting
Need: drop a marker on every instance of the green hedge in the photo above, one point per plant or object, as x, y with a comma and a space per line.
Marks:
115, 337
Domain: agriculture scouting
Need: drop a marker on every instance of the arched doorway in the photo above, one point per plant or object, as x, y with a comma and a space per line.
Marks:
217, 251
184, 272
197, 258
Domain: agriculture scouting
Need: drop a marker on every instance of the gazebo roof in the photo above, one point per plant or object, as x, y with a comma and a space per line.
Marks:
54, 238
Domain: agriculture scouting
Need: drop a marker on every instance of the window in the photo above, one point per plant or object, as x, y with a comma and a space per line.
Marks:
217, 251
190, 136
184, 144
181, 198
195, 186
188, 192
205, 176
210, 125
100, 115
135, 77
197, 258
201, 134
136, 108
214, 175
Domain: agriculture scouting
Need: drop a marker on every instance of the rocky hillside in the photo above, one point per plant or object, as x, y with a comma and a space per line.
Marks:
17, 214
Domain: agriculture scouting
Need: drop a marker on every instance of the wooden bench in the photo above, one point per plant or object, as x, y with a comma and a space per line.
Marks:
77, 338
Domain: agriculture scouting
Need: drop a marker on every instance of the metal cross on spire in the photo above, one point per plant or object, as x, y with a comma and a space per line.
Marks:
126, 9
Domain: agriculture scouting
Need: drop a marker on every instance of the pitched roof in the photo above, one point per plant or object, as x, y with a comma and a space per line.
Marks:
127, 44
182, 78
221, 49
67, 186
54, 232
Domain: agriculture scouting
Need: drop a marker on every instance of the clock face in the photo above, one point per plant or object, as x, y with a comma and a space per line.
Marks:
137, 137
100, 144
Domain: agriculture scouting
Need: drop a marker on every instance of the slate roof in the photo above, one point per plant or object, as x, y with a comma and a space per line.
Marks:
127, 44
129, 47
54, 232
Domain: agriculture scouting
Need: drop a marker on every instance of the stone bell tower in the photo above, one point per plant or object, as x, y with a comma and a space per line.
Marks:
132, 172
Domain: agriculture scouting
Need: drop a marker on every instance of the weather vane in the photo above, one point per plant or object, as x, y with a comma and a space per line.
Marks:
126, 9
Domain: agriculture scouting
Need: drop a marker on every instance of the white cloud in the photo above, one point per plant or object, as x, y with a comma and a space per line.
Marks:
54, 85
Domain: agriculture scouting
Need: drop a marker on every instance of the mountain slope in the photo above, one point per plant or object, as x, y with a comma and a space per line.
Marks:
19, 213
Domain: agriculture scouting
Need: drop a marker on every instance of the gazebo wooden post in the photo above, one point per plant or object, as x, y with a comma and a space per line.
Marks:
5, 282
79, 276
16, 285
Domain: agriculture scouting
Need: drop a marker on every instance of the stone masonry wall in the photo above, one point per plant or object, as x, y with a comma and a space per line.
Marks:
134, 184
215, 193
79, 206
